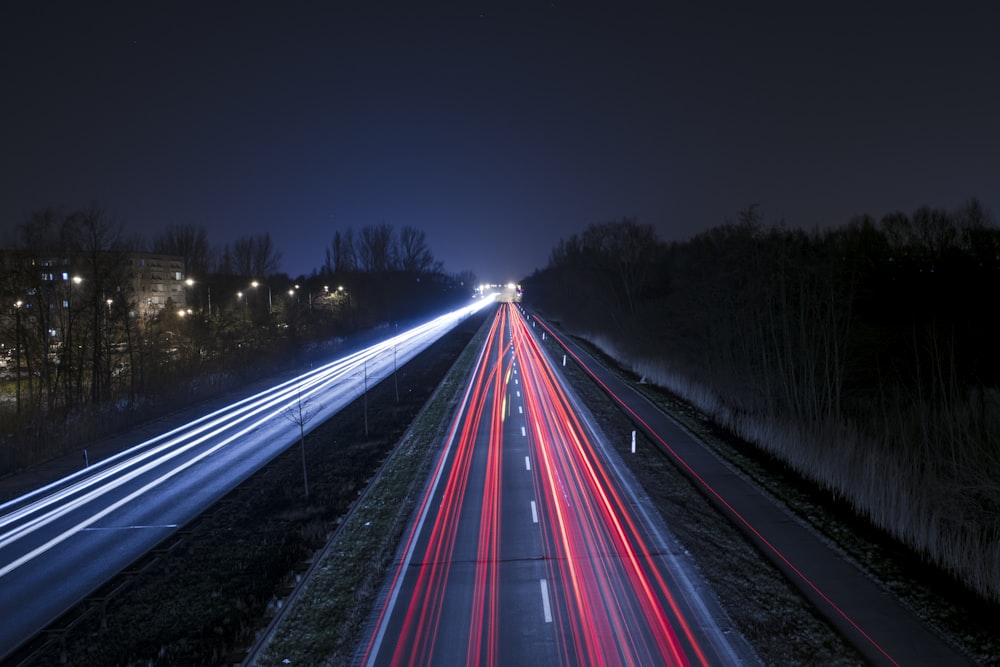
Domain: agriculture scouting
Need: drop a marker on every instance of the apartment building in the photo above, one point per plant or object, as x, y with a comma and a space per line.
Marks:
156, 281
152, 280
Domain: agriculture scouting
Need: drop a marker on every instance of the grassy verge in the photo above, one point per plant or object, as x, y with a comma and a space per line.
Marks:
326, 622
935, 595
771, 615
204, 601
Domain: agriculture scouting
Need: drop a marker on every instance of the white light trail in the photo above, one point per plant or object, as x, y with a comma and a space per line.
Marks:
340, 381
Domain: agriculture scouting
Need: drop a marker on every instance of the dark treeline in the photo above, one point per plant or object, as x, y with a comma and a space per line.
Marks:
865, 356
82, 357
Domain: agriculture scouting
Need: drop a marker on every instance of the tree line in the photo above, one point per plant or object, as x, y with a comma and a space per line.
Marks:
81, 356
865, 356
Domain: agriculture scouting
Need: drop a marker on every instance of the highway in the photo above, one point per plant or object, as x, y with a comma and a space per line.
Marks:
60, 543
531, 547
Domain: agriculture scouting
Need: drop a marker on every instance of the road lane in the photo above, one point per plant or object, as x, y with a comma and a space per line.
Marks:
61, 542
527, 547
447, 611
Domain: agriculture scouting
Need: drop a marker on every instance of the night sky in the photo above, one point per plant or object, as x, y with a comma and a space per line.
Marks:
497, 128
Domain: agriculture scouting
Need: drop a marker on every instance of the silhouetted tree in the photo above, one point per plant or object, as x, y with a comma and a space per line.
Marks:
251, 256
866, 347
375, 249
624, 250
414, 255
342, 256
189, 242
94, 235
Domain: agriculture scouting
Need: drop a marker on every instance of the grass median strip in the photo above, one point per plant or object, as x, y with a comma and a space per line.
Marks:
324, 622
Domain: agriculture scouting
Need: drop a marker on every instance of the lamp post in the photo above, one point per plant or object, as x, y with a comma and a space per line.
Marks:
292, 308
17, 352
190, 282
255, 284
76, 280
242, 296
107, 338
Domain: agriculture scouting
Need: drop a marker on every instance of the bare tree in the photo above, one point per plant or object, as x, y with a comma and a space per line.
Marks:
623, 253
34, 285
300, 414
241, 257
225, 264
375, 248
253, 256
342, 256
189, 242
93, 234
266, 257
414, 256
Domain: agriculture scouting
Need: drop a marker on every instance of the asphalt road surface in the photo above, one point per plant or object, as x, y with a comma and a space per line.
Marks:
531, 547
61, 542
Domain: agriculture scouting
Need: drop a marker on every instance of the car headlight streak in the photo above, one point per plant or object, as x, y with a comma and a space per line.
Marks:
179, 449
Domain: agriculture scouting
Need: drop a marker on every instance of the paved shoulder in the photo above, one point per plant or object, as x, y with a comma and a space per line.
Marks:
884, 631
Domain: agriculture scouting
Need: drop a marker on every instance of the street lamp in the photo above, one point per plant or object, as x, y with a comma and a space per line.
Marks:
17, 350
255, 285
107, 336
343, 295
76, 280
190, 282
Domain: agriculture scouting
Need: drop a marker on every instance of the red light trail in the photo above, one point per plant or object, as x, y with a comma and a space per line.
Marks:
461, 594
721, 500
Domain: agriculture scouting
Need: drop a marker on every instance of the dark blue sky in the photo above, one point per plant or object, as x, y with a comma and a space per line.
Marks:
495, 129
